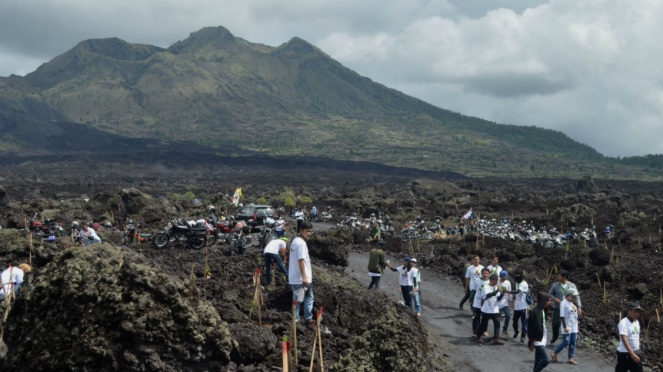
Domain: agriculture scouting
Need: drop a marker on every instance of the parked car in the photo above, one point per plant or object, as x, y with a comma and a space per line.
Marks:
255, 215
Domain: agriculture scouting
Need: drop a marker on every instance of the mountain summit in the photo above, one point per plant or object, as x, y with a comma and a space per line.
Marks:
223, 91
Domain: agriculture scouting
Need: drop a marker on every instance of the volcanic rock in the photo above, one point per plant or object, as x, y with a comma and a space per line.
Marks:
599, 256
254, 343
134, 200
575, 213
640, 289
100, 308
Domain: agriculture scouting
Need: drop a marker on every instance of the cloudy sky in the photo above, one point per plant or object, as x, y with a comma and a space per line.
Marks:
590, 68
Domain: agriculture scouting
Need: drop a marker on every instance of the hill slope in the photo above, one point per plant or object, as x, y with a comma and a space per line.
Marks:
220, 91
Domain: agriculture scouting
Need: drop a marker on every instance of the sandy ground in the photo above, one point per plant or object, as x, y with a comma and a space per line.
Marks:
450, 329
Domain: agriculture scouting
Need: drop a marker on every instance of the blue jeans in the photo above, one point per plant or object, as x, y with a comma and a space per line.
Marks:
279, 234
541, 359
417, 305
273, 258
405, 290
570, 341
2, 292
299, 294
87, 241
507, 317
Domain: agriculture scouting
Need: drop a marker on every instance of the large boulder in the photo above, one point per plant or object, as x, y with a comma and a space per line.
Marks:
575, 213
254, 343
586, 185
599, 256
100, 308
134, 200
332, 246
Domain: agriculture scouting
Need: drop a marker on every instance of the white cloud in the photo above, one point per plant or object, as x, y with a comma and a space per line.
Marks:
591, 68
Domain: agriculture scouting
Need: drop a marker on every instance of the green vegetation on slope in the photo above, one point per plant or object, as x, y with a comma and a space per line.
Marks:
219, 90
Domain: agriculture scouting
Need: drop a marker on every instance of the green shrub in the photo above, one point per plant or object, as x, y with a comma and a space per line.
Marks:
305, 200
289, 202
261, 200
190, 195
175, 196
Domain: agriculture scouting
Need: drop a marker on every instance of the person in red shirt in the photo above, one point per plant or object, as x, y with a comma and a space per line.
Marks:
95, 225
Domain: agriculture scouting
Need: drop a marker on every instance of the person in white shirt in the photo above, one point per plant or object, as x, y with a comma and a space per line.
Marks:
503, 305
275, 253
477, 287
472, 273
87, 235
300, 275
416, 281
491, 295
12, 278
299, 216
406, 281
568, 314
279, 229
494, 266
629, 355
520, 304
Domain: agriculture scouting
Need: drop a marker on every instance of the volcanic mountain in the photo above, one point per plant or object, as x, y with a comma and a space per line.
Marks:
220, 91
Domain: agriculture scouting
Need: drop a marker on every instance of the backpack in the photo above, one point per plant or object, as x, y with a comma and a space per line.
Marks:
528, 298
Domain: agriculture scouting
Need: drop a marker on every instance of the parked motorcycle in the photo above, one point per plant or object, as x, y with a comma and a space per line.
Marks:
181, 231
240, 239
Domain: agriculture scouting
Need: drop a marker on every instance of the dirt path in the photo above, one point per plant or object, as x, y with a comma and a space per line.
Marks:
450, 329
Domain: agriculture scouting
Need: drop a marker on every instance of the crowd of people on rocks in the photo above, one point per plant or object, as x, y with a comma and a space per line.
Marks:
494, 293
491, 291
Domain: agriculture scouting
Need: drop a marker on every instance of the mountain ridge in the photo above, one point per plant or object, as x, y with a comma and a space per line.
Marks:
220, 90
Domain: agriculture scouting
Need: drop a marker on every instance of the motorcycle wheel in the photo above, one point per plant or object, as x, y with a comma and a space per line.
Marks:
161, 240
429, 235
198, 241
211, 239
549, 244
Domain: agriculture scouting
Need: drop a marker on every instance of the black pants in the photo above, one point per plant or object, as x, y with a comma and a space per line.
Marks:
476, 321
299, 223
522, 316
557, 323
625, 363
468, 294
485, 317
375, 282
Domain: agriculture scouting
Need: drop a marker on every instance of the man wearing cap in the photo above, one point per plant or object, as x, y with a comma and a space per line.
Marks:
491, 296
503, 304
629, 355
416, 278
12, 278
406, 281
568, 313
558, 293
275, 253
376, 265
374, 234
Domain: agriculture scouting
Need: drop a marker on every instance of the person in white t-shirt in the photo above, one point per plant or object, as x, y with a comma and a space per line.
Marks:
477, 287
416, 281
12, 278
520, 305
568, 313
275, 253
87, 235
503, 305
300, 275
629, 355
299, 216
491, 296
279, 229
494, 266
406, 281
472, 273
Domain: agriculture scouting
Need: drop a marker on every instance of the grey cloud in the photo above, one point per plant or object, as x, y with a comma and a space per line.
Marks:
510, 85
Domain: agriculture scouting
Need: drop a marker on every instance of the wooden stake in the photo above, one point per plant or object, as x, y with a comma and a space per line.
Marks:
193, 264
647, 331
657, 315
317, 339
121, 260
285, 348
322, 364
294, 328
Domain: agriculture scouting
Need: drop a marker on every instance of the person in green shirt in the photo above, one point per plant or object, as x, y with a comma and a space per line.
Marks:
377, 263
375, 234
